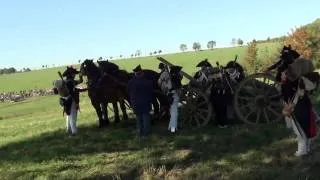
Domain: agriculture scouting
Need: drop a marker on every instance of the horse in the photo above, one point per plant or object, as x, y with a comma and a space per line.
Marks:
219, 83
230, 75
122, 77
103, 90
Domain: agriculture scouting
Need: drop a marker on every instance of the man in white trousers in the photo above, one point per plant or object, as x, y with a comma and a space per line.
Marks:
170, 83
69, 97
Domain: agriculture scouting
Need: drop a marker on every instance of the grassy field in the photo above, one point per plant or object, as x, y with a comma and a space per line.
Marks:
188, 60
34, 145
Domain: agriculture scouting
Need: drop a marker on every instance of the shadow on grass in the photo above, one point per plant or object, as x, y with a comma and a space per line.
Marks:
240, 151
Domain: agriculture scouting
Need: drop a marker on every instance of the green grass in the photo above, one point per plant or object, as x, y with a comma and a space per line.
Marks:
188, 60
33, 145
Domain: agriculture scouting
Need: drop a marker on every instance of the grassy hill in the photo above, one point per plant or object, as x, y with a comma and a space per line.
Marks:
43, 78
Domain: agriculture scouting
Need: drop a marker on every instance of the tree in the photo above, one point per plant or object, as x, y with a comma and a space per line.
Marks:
150, 53
233, 41
43, 66
120, 56
138, 52
155, 52
111, 57
211, 44
99, 59
312, 30
131, 55
268, 57
183, 47
299, 40
251, 63
160, 51
240, 42
196, 46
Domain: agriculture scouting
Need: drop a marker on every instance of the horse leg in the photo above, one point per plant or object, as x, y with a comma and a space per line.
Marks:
104, 107
97, 107
123, 109
156, 106
156, 110
116, 112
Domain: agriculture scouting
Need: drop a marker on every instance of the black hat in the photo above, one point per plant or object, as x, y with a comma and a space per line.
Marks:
287, 51
137, 69
161, 65
70, 71
204, 63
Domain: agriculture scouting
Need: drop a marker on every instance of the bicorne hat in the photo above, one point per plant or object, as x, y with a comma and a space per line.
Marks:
70, 71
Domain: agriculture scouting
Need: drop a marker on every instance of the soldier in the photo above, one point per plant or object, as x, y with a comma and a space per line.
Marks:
287, 57
297, 82
141, 97
71, 102
220, 96
170, 83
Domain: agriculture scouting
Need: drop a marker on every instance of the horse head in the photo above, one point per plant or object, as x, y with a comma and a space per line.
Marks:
234, 70
204, 63
108, 67
88, 68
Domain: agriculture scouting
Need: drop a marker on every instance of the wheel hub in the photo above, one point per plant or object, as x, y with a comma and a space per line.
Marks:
261, 101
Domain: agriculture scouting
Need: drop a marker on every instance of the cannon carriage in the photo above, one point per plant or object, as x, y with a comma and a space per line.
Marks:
255, 100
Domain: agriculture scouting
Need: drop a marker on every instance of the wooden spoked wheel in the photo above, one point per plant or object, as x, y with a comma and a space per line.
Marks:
257, 100
195, 109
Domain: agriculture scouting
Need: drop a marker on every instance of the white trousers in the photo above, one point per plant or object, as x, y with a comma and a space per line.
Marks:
303, 141
72, 119
173, 124
288, 122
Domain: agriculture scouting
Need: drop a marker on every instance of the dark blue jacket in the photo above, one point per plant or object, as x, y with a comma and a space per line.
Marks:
141, 94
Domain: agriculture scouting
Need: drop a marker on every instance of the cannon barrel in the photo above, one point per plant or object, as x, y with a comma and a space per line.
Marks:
186, 75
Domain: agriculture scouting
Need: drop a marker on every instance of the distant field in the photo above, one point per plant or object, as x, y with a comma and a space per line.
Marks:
43, 78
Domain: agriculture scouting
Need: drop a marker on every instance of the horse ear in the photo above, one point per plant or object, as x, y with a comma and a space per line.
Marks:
289, 47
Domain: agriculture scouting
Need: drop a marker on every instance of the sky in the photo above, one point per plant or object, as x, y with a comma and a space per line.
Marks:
60, 32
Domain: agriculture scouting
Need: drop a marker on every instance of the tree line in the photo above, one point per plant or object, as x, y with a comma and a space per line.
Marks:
13, 70
196, 46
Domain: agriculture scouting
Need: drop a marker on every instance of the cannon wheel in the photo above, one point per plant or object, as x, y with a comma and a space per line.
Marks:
195, 110
257, 100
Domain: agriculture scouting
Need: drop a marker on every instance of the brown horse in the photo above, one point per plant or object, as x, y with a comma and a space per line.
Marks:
103, 90
122, 77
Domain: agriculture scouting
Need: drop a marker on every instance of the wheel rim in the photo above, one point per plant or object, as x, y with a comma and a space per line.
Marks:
196, 109
257, 100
